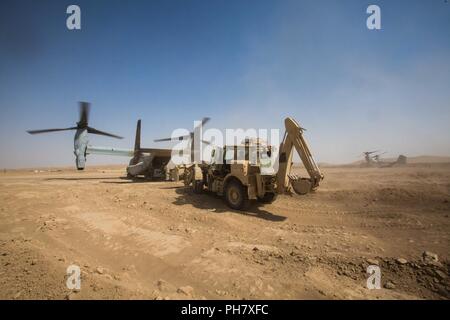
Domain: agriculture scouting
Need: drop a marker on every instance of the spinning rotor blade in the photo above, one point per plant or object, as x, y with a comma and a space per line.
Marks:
377, 155
95, 131
205, 120
206, 142
173, 139
189, 136
84, 114
164, 139
369, 152
49, 130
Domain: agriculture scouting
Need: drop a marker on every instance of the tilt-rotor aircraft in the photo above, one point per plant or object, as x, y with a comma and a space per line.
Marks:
151, 163
80, 140
148, 162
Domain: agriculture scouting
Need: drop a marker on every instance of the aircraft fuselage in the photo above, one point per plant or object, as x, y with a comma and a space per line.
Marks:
80, 143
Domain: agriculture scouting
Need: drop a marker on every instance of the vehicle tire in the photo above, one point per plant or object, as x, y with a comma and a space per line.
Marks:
197, 186
268, 197
175, 175
236, 196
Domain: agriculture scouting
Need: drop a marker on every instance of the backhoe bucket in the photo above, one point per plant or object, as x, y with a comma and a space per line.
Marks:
301, 186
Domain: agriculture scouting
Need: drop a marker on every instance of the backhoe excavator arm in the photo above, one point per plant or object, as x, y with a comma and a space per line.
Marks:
293, 138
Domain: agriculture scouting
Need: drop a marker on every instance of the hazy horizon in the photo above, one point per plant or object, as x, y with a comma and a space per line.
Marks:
245, 64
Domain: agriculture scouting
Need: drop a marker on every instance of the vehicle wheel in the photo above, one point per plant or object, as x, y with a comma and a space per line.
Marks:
175, 175
236, 196
188, 175
268, 197
198, 186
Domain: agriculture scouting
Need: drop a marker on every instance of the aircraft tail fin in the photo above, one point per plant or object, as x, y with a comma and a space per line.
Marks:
402, 159
137, 140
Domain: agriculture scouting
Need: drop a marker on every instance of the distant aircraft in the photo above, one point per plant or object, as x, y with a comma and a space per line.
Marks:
375, 160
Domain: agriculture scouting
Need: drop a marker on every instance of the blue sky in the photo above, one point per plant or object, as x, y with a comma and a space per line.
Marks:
243, 63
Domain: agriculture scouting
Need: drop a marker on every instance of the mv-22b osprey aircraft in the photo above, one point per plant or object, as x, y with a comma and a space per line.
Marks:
80, 140
152, 163
148, 162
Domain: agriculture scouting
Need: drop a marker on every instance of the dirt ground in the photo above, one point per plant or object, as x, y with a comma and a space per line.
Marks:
157, 240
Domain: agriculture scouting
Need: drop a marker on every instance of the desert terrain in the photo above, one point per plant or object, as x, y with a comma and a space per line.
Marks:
157, 240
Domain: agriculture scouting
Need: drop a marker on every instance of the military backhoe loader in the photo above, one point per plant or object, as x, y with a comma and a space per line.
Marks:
243, 173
